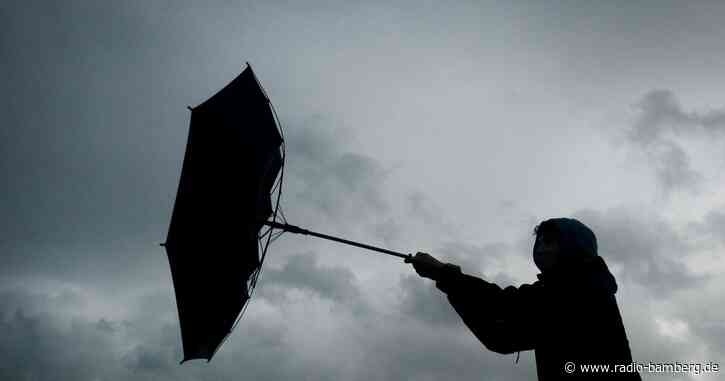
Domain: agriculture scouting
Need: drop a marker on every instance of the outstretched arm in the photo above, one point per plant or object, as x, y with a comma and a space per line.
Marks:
502, 319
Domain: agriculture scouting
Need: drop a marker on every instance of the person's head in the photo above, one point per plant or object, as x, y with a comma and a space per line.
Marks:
546, 246
562, 241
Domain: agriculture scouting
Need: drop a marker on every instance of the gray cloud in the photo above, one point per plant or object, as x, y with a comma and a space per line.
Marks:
146, 360
423, 208
650, 344
302, 271
660, 112
673, 168
704, 321
408, 349
92, 140
388, 230
344, 186
713, 225
44, 345
650, 251
40, 343
88, 195
84, 136
421, 300
660, 119
712, 331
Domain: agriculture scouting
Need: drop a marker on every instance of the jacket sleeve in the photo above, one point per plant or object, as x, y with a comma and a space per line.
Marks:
502, 319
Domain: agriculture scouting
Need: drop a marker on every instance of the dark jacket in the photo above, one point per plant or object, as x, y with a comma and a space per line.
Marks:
568, 315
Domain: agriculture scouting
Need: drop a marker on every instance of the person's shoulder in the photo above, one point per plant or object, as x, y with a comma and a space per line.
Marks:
536, 286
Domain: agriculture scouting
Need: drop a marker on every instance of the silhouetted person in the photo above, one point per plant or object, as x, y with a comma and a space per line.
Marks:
569, 315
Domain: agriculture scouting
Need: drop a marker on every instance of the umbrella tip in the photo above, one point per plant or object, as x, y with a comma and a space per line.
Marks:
189, 107
162, 244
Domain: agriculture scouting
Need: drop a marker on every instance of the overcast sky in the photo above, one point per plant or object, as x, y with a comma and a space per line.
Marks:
446, 128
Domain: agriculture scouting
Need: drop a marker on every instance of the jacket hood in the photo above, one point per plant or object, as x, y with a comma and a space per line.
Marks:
580, 262
575, 239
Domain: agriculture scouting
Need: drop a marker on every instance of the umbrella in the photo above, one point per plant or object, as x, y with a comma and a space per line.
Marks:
226, 210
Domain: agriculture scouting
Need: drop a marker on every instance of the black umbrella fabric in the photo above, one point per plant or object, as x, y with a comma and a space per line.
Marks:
233, 156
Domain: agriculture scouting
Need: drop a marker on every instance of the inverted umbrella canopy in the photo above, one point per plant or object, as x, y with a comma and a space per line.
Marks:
216, 244
233, 157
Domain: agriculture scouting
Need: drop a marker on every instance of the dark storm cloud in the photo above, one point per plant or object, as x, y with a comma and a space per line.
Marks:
34, 349
94, 137
673, 167
94, 133
42, 343
46, 344
331, 186
660, 116
81, 142
410, 350
343, 185
650, 344
660, 112
714, 225
302, 271
650, 251
421, 300
86, 195
145, 359
108, 265
91, 145
712, 331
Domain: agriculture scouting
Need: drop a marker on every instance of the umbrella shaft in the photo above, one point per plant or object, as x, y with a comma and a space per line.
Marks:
298, 230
